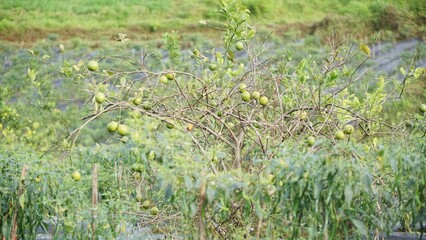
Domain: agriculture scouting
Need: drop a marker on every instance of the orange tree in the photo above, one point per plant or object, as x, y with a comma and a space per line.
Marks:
246, 144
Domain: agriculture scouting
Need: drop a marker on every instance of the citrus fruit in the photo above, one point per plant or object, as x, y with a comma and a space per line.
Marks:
163, 79
170, 76
310, 140
154, 211
125, 139
263, 100
255, 95
112, 126
422, 108
146, 204
137, 101
93, 66
339, 135
170, 125
147, 106
239, 46
100, 97
242, 87
76, 176
123, 130
245, 96
348, 129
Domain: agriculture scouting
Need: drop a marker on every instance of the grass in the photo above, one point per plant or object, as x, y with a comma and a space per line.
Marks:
28, 21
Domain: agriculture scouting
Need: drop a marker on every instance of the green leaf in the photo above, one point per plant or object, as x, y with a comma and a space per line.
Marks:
393, 164
302, 64
402, 70
246, 197
45, 57
348, 194
211, 193
230, 55
169, 191
61, 46
360, 226
418, 72
367, 180
32, 74
317, 189
365, 49
251, 33
22, 201
188, 182
259, 211
32, 52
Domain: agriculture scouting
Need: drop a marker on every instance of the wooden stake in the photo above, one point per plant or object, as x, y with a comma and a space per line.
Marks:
201, 210
21, 190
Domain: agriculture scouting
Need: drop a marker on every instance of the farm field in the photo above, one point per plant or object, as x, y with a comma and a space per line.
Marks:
211, 119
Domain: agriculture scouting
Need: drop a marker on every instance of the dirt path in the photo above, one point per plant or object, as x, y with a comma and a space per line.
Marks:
388, 58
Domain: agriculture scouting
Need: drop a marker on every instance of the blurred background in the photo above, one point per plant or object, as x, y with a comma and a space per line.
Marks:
27, 22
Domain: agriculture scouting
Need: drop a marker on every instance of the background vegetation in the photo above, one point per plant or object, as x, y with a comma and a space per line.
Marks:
23, 21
